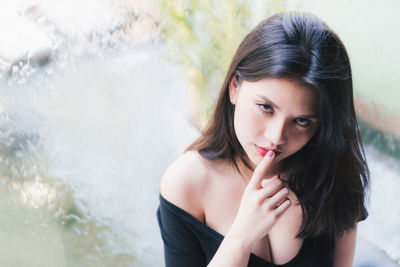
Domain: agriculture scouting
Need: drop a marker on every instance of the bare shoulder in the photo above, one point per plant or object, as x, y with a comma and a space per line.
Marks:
185, 181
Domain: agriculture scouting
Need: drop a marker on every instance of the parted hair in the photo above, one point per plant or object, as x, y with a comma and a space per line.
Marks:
329, 175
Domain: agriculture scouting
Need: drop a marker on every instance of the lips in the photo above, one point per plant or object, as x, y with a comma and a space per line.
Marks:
264, 150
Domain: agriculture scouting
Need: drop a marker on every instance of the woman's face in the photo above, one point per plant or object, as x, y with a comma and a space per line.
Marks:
273, 114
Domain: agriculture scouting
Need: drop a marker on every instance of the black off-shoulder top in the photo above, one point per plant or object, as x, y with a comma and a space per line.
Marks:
190, 243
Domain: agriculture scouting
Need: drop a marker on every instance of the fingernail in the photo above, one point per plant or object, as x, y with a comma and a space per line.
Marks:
270, 153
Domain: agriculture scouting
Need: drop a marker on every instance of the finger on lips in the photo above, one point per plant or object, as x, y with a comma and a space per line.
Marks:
262, 168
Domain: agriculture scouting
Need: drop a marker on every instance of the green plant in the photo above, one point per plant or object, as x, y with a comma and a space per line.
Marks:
203, 36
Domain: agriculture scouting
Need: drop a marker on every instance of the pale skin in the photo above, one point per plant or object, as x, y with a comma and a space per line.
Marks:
254, 210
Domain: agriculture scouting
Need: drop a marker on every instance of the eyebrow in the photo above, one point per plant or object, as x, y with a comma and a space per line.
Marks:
269, 102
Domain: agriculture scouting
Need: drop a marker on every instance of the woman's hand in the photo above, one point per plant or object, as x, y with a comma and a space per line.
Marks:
263, 202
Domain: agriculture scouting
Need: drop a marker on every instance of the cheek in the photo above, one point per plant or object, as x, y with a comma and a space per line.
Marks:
246, 122
301, 139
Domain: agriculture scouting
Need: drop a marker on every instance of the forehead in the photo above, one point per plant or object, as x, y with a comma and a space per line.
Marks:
284, 93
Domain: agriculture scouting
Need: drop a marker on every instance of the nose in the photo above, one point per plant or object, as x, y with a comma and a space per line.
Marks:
276, 131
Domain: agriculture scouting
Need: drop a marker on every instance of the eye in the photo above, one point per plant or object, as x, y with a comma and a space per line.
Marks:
265, 108
303, 122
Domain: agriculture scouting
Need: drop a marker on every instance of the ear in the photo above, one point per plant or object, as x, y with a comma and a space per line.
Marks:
233, 89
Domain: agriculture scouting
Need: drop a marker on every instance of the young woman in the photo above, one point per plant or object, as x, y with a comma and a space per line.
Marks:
278, 177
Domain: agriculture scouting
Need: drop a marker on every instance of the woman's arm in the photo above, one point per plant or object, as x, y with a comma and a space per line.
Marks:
344, 248
262, 204
181, 245
183, 184
232, 252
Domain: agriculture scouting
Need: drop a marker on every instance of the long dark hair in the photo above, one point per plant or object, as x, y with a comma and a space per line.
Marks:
329, 175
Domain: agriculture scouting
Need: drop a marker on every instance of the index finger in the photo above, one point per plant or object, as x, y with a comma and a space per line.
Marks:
261, 169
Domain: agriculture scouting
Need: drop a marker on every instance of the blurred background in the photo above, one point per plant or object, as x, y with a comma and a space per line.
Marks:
98, 97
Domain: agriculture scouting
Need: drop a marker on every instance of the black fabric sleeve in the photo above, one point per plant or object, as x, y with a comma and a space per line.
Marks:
181, 247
